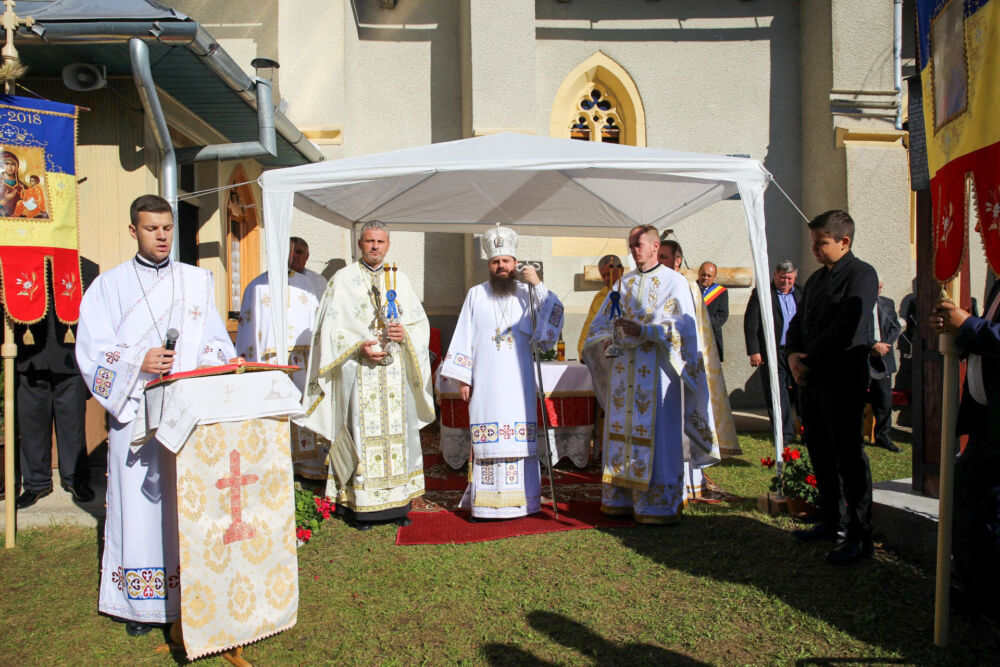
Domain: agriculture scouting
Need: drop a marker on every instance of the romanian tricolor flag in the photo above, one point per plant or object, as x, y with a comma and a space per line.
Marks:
712, 293
38, 208
959, 55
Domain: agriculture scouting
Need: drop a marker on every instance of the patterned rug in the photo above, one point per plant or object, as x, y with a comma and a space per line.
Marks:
444, 486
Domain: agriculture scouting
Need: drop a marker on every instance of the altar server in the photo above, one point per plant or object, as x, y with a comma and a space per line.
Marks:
255, 342
124, 320
490, 356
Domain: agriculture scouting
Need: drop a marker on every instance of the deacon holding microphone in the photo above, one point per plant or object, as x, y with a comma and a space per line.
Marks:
143, 319
490, 358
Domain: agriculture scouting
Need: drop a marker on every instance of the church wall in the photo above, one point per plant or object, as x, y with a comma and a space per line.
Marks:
713, 78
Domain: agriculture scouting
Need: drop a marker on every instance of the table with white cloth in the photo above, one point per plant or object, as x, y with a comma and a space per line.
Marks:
229, 430
569, 398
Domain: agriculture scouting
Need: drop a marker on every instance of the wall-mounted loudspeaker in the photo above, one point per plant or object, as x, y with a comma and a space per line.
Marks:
83, 77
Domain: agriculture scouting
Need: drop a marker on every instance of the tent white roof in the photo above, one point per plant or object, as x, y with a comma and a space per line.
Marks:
554, 186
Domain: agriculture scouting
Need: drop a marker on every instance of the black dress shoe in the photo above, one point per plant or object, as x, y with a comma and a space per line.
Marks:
819, 532
889, 446
80, 491
405, 521
850, 551
137, 629
29, 498
362, 526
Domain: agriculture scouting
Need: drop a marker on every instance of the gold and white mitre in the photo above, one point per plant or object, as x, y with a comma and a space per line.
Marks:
500, 241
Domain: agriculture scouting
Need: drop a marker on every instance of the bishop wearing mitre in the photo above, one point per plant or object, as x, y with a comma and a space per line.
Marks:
490, 357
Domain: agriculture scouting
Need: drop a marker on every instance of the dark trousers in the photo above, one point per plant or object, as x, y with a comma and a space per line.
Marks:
42, 395
787, 395
880, 396
976, 531
833, 437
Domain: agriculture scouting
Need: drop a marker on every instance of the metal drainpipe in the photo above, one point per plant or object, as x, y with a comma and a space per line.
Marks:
265, 146
139, 53
897, 58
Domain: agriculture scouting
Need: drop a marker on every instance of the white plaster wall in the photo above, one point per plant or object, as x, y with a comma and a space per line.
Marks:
881, 212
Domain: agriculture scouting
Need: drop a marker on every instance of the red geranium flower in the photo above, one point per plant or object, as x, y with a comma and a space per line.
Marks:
303, 534
795, 454
811, 480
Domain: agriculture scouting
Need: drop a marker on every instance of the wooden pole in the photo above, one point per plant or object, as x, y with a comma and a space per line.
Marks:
8, 351
949, 414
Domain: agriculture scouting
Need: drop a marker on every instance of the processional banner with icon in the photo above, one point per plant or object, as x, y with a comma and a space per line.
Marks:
38, 208
959, 55
230, 430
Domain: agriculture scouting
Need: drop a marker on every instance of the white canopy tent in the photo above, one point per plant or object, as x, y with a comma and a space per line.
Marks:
558, 187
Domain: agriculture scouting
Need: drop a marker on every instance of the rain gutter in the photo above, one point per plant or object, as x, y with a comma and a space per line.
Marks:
174, 33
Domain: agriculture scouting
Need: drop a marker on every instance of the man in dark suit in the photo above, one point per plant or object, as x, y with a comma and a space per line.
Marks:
882, 367
50, 387
976, 535
828, 343
716, 300
785, 302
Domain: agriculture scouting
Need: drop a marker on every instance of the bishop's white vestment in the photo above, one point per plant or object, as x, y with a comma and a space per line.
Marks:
372, 414
491, 351
127, 311
657, 392
255, 342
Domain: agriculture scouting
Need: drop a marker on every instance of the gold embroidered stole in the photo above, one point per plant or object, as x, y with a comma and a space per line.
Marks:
382, 427
633, 388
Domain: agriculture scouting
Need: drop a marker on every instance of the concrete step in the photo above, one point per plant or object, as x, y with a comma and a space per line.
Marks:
59, 508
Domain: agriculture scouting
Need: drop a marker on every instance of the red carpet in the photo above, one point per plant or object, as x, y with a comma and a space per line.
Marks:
444, 527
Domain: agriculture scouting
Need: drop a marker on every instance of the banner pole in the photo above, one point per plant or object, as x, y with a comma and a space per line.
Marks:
946, 475
8, 351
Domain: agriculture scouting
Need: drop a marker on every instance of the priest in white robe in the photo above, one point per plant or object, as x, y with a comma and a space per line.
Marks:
255, 342
124, 319
490, 356
657, 390
368, 387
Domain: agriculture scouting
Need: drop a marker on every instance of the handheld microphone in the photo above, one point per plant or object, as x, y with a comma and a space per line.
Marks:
171, 341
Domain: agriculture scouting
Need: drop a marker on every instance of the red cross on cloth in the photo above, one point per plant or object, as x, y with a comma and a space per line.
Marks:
238, 530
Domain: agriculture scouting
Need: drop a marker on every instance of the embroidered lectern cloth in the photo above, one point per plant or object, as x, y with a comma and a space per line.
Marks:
235, 504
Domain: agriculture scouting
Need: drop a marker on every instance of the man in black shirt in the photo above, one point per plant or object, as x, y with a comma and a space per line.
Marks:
828, 343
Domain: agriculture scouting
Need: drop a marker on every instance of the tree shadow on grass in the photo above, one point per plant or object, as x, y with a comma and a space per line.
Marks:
884, 602
580, 638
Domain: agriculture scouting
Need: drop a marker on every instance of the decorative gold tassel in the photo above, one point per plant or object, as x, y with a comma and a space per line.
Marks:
69, 337
28, 338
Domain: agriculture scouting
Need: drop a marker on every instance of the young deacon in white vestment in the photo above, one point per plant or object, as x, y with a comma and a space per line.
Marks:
369, 402
490, 356
657, 389
124, 318
255, 342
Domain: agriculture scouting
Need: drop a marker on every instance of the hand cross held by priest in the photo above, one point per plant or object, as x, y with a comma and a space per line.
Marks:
124, 319
371, 404
490, 356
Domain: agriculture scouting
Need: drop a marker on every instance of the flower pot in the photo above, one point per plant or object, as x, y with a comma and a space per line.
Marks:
800, 509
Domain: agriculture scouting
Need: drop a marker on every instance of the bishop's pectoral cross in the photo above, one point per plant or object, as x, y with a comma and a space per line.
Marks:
507, 336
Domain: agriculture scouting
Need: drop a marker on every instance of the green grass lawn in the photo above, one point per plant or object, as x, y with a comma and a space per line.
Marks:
727, 586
